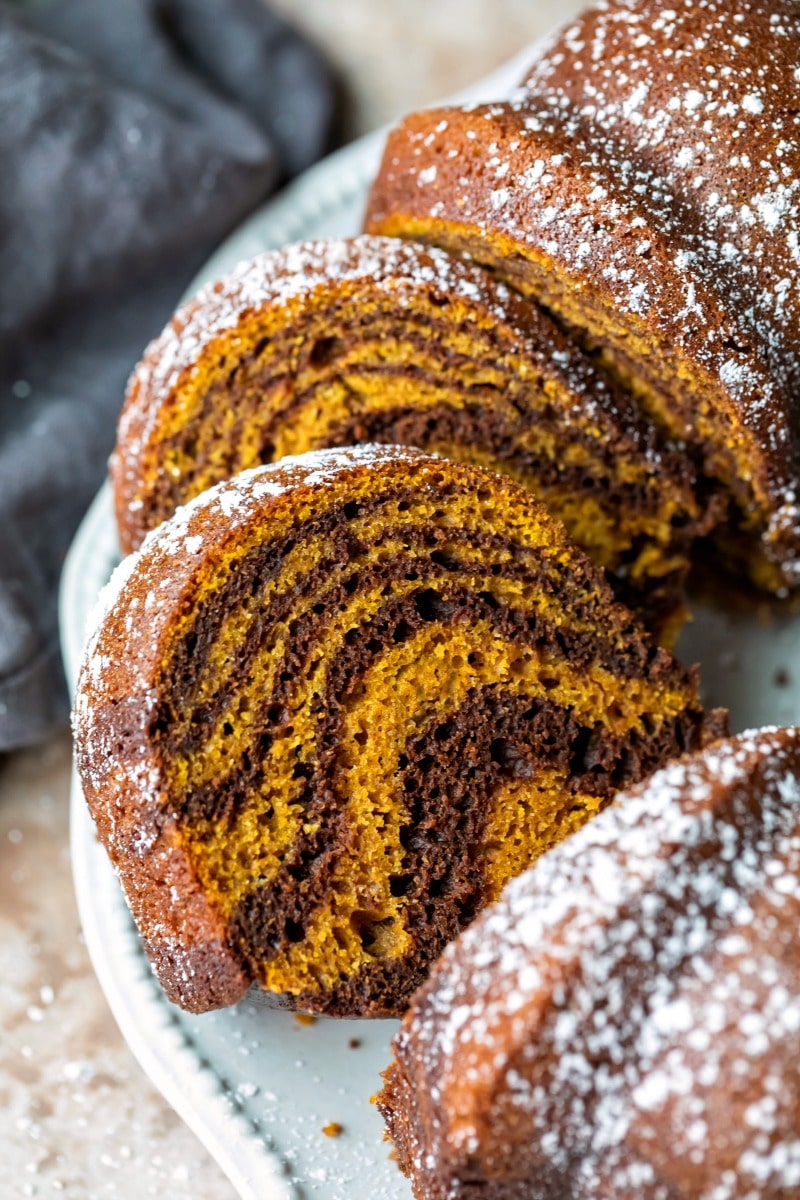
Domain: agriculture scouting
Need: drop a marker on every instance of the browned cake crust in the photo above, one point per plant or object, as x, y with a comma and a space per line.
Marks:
335, 703
643, 186
373, 339
626, 1020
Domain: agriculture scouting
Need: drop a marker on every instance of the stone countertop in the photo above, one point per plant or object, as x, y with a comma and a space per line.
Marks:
79, 1118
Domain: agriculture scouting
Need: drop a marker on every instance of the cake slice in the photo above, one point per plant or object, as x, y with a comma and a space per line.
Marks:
336, 703
626, 1020
647, 195
373, 339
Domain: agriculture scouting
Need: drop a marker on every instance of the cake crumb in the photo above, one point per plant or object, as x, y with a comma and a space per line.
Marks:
333, 1129
305, 1018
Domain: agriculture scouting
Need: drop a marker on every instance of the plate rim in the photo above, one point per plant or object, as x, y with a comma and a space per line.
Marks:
174, 1063
171, 1060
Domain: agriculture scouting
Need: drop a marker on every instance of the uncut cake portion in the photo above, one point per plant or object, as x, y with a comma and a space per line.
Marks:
626, 1020
334, 704
643, 186
373, 339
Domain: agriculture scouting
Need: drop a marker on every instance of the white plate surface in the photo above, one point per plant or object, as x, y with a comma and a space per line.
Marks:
256, 1085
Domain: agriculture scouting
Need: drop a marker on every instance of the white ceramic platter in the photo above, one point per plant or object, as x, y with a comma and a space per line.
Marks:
256, 1085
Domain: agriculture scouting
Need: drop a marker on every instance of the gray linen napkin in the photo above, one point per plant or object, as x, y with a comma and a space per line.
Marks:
134, 135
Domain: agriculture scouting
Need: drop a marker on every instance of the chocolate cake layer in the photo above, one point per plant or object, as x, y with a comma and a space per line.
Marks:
373, 685
374, 339
625, 1020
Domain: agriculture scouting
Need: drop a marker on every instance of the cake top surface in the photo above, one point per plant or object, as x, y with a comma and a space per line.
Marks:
708, 143
713, 842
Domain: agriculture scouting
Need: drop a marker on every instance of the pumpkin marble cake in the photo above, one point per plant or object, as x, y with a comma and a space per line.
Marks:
335, 703
373, 339
626, 1021
643, 186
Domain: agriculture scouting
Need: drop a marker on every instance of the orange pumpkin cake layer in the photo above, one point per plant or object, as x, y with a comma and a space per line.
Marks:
643, 186
375, 339
334, 704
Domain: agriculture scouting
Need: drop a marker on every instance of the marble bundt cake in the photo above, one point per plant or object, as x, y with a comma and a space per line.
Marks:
626, 1020
335, 703
643, 185
373, 339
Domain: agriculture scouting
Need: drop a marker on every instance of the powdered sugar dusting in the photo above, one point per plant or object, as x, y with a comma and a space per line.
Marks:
631, 1006
676, 127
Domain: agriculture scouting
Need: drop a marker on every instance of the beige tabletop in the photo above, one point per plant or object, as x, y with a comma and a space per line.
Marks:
77, 1116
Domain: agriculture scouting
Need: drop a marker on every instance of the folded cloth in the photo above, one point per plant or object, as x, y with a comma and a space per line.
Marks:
133, 136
